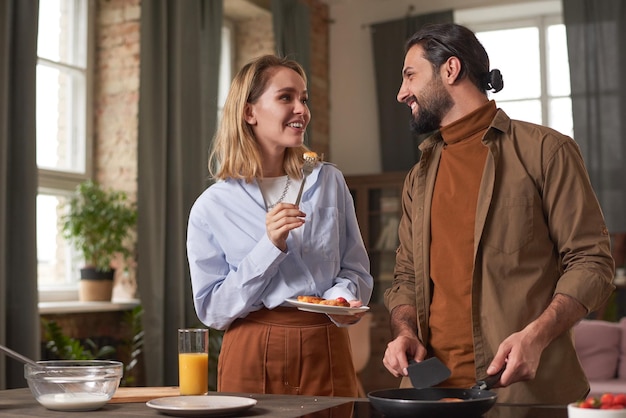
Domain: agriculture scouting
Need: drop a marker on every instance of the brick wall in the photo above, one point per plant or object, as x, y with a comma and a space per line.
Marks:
255, 37
116, 106
116, 93
318, 79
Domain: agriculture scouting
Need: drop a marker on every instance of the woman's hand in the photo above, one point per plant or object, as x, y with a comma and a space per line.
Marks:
349, 319
280, 220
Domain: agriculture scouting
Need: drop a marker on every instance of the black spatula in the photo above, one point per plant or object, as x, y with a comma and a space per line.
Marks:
427, 373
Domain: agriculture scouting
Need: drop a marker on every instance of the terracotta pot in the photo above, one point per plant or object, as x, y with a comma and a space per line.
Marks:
95, 286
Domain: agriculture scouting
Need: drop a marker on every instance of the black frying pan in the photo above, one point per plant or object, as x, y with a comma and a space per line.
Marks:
426, 402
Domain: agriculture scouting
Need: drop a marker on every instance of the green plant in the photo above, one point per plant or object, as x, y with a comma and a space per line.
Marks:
129, 350
99, 223
63, 347
133, 346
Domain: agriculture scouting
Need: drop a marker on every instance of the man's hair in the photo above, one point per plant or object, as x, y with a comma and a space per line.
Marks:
444, 40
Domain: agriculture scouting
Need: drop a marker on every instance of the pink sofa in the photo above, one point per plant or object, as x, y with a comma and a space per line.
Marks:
601, 348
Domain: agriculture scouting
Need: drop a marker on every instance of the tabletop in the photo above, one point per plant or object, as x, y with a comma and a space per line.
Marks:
21, 403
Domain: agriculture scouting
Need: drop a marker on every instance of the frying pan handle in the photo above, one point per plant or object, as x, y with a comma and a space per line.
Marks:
490, 381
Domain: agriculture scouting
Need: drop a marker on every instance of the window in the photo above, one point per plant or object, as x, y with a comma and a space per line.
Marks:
529, 46
63, 131
226, 65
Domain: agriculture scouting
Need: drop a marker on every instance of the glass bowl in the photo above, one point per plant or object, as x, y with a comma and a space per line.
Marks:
73, 385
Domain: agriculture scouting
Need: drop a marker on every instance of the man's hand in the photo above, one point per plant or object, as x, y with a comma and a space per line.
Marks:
398, 353
521, 351
520, 354
406, 345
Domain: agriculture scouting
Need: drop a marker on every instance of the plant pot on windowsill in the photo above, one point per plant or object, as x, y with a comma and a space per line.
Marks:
95, 285
100, 223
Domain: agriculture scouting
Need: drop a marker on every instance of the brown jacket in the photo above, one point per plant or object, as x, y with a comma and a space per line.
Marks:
539, 231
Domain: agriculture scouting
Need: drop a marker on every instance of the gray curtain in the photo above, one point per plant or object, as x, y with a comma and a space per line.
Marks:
291, 24
596, 34
19, 315
398, 145
180, 50
292, 31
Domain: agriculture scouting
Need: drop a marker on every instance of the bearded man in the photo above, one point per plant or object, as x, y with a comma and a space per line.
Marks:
503, 245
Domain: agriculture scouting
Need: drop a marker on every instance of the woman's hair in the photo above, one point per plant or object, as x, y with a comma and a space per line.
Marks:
444, 40
235, 152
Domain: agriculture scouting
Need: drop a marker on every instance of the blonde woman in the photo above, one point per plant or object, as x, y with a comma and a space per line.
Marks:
250, 247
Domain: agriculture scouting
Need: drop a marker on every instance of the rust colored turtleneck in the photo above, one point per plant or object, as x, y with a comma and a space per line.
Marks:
452, 246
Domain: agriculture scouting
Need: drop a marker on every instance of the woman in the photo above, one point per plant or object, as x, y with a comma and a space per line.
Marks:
250, 247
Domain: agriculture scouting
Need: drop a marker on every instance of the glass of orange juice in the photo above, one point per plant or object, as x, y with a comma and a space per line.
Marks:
193, 361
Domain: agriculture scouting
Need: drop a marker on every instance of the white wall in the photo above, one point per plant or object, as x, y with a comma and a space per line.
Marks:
354, 144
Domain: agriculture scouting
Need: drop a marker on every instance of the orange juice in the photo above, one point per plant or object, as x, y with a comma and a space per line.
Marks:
193, 373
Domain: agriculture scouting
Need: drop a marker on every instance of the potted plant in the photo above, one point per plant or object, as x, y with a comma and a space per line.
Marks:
100, 224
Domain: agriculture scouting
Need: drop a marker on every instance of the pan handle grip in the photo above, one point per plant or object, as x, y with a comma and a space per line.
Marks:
490, 381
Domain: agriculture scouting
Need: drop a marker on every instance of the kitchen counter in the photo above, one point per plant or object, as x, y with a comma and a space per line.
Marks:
21, 403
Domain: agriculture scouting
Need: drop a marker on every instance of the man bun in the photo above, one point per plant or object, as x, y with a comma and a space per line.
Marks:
493, 81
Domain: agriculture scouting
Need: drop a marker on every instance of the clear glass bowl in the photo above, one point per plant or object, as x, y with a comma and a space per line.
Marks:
74, 385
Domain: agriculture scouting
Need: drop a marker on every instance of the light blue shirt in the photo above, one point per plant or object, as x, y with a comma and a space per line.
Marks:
236, 269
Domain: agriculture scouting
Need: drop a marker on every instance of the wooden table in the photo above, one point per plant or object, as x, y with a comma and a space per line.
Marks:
21, 403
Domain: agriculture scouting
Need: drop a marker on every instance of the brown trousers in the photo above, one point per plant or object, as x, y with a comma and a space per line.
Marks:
286, 351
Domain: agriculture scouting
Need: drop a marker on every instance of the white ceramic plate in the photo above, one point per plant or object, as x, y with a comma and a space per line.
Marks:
327, 309
575, 412
201, 406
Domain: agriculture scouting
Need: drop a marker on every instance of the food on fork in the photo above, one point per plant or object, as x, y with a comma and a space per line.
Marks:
310, 161
311, 155
321, 301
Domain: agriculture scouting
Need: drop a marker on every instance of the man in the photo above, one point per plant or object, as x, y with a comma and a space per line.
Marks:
503, 246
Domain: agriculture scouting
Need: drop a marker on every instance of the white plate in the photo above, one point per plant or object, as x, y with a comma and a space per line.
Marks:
327, 309
202, 405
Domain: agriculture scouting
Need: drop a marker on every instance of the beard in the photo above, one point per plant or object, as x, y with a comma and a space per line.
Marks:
433, 103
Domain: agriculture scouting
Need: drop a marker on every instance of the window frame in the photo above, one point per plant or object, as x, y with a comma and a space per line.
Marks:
226, 69
493, 18
61, 182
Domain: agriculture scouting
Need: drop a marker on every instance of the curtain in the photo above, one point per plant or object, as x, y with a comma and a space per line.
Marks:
596, 31
19, 315
180, 50
291, 24
292, 30
398, 145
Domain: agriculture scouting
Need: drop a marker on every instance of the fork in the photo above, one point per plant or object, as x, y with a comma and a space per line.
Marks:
307, 168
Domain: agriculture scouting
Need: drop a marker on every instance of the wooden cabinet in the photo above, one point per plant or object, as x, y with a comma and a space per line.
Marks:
377, 200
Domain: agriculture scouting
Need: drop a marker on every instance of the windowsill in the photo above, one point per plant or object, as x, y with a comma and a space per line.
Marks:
81, 307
